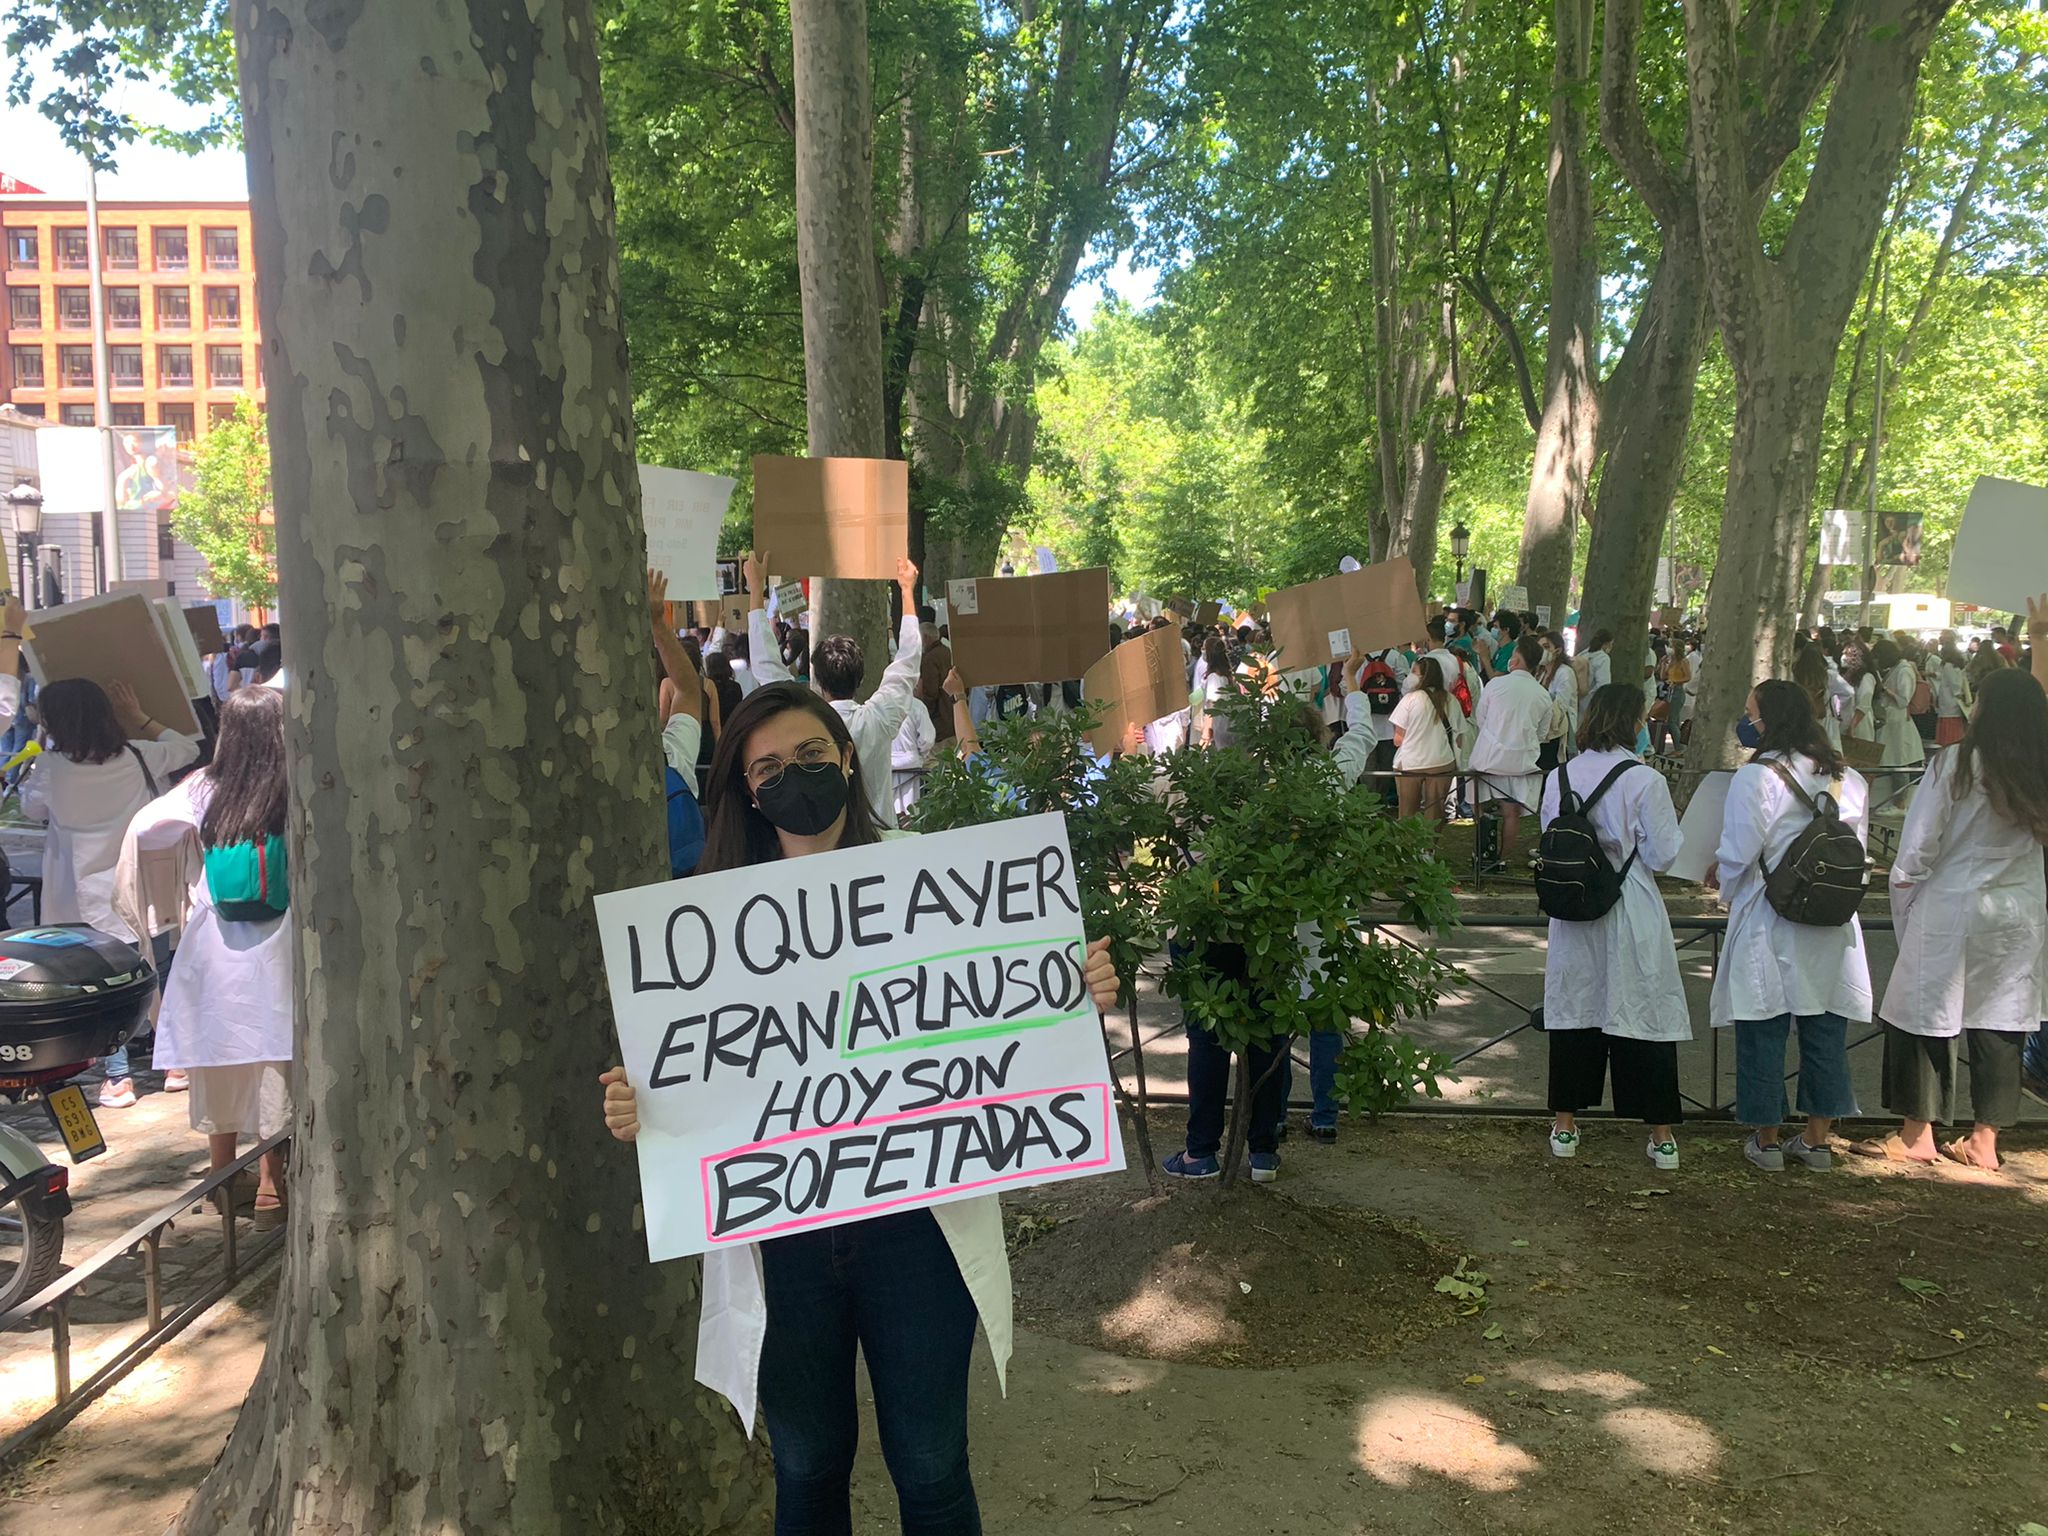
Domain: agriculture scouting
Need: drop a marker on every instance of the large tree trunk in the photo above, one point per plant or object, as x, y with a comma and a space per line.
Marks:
1782, 320
469, 1335
1568, 433
835, 252
1646, 416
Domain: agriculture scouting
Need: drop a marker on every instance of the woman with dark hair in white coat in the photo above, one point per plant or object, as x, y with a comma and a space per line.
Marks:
1776, 974
1972, 913
1612, 998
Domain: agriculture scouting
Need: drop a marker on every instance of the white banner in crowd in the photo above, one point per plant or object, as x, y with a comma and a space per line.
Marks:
904, 1024
683, 512
1841, 536
2000, 557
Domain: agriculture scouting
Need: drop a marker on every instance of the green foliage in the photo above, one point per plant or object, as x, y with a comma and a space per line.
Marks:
226, 513
1257, 849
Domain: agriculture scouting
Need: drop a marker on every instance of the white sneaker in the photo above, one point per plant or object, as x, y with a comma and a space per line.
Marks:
1770, 1159
1819, 1159
1564, 1143
1664, 1154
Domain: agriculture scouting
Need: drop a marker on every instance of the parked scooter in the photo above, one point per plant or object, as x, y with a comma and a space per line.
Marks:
69, 994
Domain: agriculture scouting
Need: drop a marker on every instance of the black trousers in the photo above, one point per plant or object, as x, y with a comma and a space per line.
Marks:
1645, 1074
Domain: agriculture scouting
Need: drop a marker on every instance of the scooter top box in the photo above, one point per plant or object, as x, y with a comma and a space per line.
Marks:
68, 994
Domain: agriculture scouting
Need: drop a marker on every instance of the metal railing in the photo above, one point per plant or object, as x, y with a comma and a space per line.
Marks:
1701, 928
146, 1235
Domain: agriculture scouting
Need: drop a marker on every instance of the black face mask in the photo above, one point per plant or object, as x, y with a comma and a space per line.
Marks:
807, 799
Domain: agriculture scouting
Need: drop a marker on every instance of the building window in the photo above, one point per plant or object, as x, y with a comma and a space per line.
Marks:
127, 413
174, 367
223, 309
124, 309
223, 250
24, 252
177, 417
74, 309
166, 543
174, 309
220, 411
28, 367
30, 408
122, 255
74, 367
75, 415
224, 367
172, 253
73, 254
124, 367
25, 308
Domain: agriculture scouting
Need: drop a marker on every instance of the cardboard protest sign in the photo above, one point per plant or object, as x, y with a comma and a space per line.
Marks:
1370, 608
903, 1024
683, 511
1029, 629
1138, 682
1180, 608
2000, 557
727, 613
184, 652
832, 517
1208, 614
113, 638
204, 623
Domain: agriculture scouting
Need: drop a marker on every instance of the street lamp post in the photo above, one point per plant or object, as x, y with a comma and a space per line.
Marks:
1461, 544
26, 503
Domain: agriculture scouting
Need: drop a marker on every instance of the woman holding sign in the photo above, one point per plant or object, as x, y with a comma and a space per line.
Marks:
785, 1316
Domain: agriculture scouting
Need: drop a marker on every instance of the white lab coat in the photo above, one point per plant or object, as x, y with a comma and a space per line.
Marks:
681, 740
1863, 709
734, 1318
88, 807
1427, 740
908, 756
1620, 973
872, 724
1564, 689
228, 1000
1508, 725
1972, 914
1770, 965
1900, 736
1952, 695
1599, 669
1353, 750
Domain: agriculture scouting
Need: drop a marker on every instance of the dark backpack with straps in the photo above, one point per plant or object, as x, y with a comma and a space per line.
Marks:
1574, 881
1822, 879
1380, 686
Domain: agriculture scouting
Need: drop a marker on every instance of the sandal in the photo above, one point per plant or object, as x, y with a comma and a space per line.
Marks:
1960, 1151
268, 1218
1892, 1149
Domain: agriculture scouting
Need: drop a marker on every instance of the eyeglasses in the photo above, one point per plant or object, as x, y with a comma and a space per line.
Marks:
765, 772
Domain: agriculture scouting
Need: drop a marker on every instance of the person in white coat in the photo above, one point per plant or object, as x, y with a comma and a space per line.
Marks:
781, 1319
1972, 914
1561, 680
910, 755
1776, 974
837, 667
226, 1020
1509, 725
1897, 681
1953, 695
107, 759
1860, 711
1425, 741
1612, 997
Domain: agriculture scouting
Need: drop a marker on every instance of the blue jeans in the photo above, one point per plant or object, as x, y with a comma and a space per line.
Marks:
1324, 1047
891, 1286
1824, 1090
2034, 1056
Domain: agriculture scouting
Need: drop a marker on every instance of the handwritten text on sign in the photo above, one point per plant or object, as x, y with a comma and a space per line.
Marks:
819, 1041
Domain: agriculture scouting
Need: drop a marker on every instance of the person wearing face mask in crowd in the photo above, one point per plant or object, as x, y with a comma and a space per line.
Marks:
784, 1318
837, 668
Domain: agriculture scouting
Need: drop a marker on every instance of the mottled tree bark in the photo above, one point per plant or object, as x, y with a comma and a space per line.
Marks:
469, 1337
1567, 436
835, 252
1781, 319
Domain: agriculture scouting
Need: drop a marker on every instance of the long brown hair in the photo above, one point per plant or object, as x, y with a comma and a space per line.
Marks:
1788, 724
736, 834
2007, 744
1614, 714
247, 775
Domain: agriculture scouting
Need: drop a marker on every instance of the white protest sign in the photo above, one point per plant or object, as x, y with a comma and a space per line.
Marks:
1542, 616
964, 597
1700, 827
1048, 562
898, 1025
1841, 536
683, 511
1340, 644
1514, 599
2000, 557
1464, 593
789, 599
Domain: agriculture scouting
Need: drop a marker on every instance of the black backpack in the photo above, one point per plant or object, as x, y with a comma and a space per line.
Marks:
1822, 879
1574, 881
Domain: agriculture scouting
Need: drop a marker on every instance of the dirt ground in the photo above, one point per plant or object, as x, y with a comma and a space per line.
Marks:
1708, 1350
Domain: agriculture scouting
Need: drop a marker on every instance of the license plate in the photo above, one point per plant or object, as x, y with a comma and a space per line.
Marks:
72, 1116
